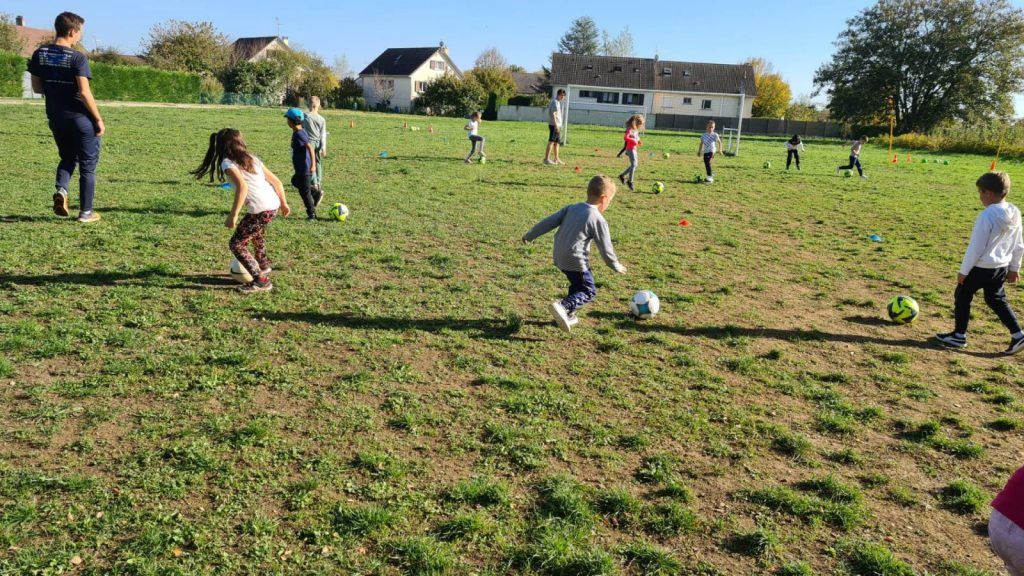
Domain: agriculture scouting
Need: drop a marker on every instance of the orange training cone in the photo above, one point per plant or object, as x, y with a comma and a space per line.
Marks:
351, 124
908, 158
578, 169
895, 158
430, 129
992, 168
684, 222
405, 125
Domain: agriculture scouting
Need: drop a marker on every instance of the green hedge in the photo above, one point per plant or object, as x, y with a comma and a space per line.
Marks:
12, 67
144, 84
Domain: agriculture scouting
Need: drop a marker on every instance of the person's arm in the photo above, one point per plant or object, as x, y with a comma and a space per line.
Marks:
721, 147
90, 104
700, 147
323, 138
279, 189
241, 191
979, 240
312, 157
544, 226
603, 238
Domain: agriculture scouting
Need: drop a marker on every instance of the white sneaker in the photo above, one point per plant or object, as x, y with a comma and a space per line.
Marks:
561, 316
549, 162
863, 176
559, 162
573, 320
709, 179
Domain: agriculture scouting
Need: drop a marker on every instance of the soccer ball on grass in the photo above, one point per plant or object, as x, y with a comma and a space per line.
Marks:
239, 273
644, 304
903, 309
339, 212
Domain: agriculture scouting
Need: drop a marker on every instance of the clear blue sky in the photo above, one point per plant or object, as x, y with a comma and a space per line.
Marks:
795, 35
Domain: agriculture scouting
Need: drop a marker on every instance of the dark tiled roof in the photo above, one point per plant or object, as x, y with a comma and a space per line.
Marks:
245, 48
649, 74
399, 61
32, 38
529, 82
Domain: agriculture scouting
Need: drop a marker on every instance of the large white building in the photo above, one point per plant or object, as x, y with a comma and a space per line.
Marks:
652, 86
399, 75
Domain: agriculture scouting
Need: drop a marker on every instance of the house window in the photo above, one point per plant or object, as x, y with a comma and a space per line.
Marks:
437, 65
632, 99
586, 94
607, 97
687, 101
421, 86
705, 105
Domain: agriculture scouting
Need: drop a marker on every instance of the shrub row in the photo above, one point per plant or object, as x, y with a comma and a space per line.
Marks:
12, 67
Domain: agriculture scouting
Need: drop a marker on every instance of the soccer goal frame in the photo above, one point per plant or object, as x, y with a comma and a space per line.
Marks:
732, 147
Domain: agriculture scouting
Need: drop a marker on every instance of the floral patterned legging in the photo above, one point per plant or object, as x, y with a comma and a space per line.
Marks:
252, 228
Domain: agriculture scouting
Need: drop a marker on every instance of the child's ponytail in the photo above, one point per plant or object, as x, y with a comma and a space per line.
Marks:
210, 163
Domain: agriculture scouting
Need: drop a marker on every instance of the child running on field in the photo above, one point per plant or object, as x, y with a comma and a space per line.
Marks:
794, 146
855, 147
992, 258
473, 126
1006, 525
258, 189
632, 139
578, 225
710, 144
304, 163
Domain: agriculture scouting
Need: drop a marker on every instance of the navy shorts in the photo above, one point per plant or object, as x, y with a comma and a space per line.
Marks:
554, 134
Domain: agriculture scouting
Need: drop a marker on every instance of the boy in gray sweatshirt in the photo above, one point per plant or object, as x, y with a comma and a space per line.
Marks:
578, 225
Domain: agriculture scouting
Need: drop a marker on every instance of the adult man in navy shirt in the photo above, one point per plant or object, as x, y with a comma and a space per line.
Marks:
62, 75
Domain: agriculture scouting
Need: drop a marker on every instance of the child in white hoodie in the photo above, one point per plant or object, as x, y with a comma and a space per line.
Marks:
993, 257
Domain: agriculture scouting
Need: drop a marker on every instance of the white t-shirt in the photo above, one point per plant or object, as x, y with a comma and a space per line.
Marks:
996, 239
261, 195
473, 126
710, 142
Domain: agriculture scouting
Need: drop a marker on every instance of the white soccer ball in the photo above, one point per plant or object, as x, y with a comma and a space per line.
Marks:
644, 304
239, 273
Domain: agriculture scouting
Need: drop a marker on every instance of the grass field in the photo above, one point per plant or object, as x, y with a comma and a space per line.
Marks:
402, 403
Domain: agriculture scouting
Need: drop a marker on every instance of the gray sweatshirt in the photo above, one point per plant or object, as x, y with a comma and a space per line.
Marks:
578, 225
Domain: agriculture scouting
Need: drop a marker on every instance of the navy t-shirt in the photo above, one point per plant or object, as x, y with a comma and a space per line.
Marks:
59, 67
300, 154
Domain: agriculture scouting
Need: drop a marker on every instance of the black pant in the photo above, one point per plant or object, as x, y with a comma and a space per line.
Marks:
790, 155
854, 161
78, 145
304, 184
707, 162
991, 281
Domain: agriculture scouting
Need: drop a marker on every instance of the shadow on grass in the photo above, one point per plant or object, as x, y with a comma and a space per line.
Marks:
870, 321
789, 335
142, 277
159, 210
487, 328
16, 218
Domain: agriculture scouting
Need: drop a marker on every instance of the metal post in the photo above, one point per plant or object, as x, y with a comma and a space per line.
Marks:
565, 116
739, 127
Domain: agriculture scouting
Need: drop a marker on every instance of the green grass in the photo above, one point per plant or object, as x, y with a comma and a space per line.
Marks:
402, 403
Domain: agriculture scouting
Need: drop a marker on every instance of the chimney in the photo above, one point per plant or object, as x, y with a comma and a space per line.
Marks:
444, 48
284, 39
19, 20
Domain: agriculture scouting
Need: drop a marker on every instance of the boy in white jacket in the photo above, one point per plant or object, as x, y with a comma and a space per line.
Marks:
993, 257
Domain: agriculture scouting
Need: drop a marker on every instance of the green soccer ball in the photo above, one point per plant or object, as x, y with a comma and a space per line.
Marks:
924, 160
659, 187
698, 177
767, 164
903, 309
666, 155
339, 212
848, 173
483, 160
945, 162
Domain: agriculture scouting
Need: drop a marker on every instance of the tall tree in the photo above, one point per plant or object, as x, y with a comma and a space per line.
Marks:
188, 46
937, 60
9, 39
491, 58
620, 45
341, 68
773, 93
583, 37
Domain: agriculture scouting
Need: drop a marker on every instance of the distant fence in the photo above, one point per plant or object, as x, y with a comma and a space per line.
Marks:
753, 126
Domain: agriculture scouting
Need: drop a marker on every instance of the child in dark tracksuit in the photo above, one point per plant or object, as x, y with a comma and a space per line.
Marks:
578, 225
303, 162
992, 258
794, 146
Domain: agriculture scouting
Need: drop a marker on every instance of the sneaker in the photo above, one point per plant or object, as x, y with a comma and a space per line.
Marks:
560, 162
469, 160
87, 217
622, 179
709, 179
256, 286
951, 340
863, 176
573, 320
60, 203
630, 184
266, 271
1016, 345
550, 162
311, 216
561, 316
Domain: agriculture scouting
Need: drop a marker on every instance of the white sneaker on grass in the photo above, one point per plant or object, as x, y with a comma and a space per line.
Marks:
951, 340
1016, 345
550, 162
561, 316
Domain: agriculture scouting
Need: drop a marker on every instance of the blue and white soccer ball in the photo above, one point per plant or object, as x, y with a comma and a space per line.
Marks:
644, 304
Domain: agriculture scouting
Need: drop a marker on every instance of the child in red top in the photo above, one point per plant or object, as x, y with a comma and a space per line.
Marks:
632, 138
1006, 526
